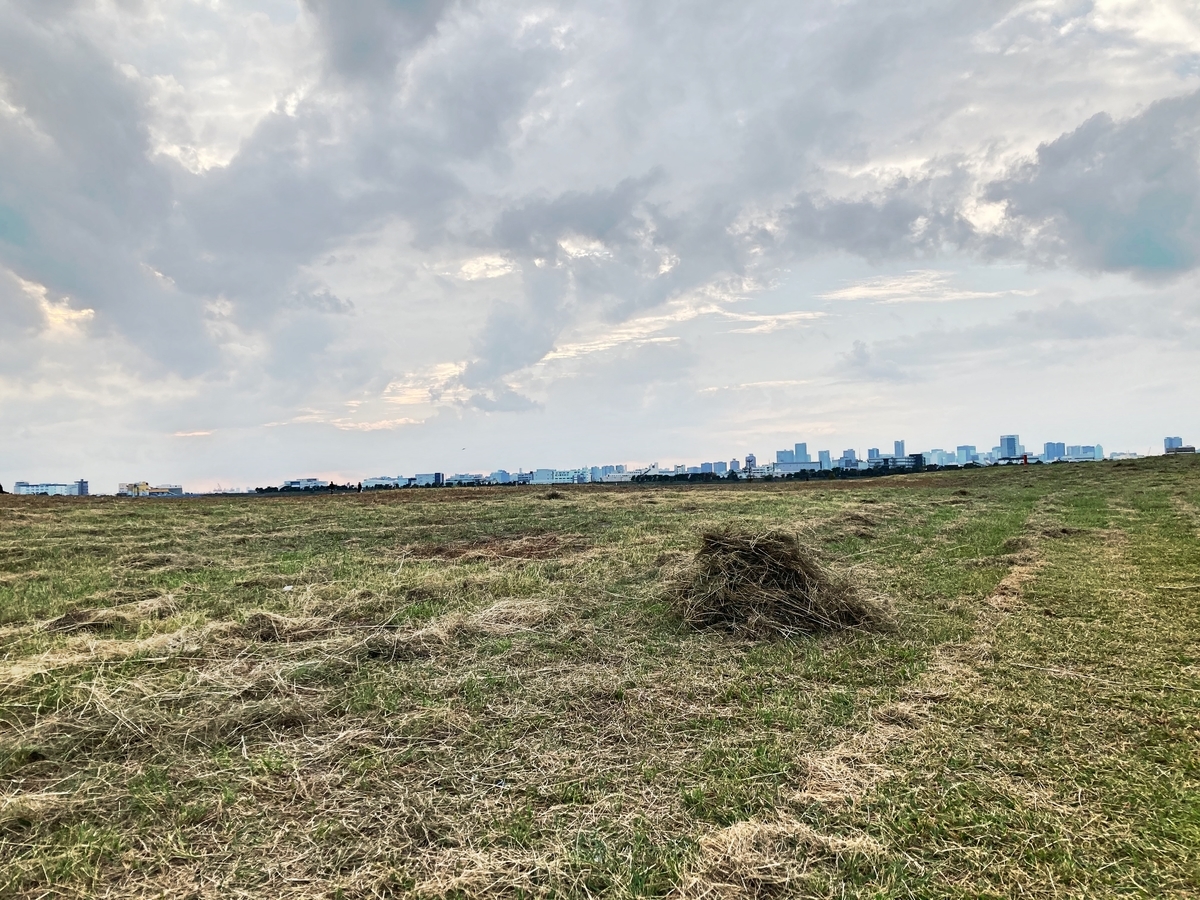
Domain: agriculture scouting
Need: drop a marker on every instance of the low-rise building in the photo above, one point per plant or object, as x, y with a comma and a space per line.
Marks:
145, 489
305, 484
52, 489
384, 481
618, 477
793, 468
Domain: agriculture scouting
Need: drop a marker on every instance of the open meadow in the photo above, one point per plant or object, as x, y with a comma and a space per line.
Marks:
492, 693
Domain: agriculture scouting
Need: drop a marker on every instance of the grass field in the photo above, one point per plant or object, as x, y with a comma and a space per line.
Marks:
487, 693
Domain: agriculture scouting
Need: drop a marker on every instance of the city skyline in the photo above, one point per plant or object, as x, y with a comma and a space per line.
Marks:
784, 462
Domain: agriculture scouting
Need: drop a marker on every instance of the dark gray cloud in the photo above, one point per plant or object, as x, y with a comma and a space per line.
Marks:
368, 39
81, 196
1115, 195
914, 216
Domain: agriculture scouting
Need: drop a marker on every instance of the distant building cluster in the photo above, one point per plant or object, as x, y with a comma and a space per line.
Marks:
790, 463
795, 462
585, 475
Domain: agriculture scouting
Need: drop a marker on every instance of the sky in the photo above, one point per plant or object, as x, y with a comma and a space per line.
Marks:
248, 241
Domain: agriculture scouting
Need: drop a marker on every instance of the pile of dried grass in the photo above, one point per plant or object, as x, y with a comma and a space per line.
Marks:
767, 584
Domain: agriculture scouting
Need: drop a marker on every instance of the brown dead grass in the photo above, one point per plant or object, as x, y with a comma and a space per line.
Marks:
767, 584
754, 860
531, 546
113, 617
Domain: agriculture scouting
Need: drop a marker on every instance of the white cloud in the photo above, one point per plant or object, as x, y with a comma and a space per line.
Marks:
918, 286
485, 267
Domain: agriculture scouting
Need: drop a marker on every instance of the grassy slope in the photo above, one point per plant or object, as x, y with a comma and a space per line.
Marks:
482, 692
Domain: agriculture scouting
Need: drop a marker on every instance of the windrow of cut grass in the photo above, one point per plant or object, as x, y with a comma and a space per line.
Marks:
492, 693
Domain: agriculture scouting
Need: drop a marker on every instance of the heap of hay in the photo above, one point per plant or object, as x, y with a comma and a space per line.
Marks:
768, 585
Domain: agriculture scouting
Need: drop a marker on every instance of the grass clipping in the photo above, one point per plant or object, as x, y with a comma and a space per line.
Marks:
766, 585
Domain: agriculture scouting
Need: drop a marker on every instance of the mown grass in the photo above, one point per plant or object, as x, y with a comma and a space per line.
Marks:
489, 693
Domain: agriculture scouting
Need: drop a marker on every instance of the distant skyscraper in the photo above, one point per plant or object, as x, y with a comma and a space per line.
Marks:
1009, 444
751, 461
785, 456
825, 458
719, 468
735, 466
873, 453
1054, 450
899, 449
1172, 443
965, 454
706, 468
801, 453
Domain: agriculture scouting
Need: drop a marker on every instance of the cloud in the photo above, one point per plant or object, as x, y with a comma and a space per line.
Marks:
1114, 195
750, 385
918, 286
368, 39
1064, 334
455, 213
912, 216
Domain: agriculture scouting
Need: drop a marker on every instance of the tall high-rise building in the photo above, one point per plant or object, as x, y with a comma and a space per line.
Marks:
1172, 443
735, 466
1009, 445
751, 461
965, 453
801, 453
825, 458
899, 449
1054, 450
719, 468
872, 453
785, 456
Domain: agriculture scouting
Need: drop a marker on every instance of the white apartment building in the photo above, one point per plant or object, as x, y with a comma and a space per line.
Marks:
52, 489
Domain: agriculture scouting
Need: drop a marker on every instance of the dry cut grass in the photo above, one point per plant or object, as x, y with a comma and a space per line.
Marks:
767, 584
469, 694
